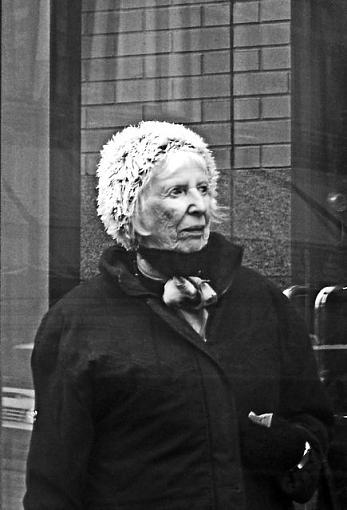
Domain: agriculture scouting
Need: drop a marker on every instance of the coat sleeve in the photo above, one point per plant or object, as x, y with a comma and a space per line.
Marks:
302, 401
303, 397
63, 429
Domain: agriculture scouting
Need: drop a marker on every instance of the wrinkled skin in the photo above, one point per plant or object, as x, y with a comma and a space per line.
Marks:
174, 208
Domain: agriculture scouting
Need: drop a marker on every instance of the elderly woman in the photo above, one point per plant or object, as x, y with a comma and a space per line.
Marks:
176, 379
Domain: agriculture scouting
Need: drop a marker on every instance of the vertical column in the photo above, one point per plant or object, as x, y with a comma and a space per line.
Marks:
25, 73
40, 197
25, 178
64, 158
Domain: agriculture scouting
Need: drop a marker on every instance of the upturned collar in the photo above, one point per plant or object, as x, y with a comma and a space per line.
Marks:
119, 265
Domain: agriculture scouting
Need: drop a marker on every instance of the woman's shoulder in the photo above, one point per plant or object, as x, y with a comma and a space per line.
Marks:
88, 298
258, 282
74, 322
91, 289
256, 290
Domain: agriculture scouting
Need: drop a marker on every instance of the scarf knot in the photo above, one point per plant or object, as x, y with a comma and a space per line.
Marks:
189, 292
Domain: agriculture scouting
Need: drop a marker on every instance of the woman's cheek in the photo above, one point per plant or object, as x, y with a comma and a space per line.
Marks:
165, 216
168, 225
163, 226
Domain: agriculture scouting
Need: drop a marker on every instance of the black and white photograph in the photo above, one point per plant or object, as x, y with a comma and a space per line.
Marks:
173, 255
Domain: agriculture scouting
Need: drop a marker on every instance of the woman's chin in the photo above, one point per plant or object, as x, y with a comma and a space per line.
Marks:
190, 245
183, 244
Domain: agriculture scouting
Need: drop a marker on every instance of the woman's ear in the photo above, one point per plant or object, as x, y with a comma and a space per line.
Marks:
139, 228
138, 220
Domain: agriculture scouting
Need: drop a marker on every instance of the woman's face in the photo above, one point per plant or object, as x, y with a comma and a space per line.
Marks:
175, 207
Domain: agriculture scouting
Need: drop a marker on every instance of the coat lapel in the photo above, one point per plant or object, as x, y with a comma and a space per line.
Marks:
224, 260
182, 327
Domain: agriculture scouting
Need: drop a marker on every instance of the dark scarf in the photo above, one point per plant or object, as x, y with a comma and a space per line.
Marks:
186, 274
222, 262
171, 263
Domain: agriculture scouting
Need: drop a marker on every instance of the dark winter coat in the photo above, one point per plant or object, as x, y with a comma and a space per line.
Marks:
136, 412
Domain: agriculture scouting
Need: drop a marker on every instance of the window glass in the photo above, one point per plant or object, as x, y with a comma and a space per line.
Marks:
24, 223
264, 86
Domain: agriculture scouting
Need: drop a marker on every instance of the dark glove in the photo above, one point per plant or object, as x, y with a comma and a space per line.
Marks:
271, 449
300, 484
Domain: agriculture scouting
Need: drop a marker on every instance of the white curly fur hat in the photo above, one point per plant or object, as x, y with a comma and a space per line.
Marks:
125, 165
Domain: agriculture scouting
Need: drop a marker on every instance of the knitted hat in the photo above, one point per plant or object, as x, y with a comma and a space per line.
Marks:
125, 167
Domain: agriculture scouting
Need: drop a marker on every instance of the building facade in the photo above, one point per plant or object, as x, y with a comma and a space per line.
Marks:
223, 69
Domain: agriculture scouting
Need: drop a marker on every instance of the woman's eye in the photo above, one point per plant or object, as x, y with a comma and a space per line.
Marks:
203, 188
176, 192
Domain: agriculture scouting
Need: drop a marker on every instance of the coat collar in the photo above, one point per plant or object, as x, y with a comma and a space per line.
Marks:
119, 265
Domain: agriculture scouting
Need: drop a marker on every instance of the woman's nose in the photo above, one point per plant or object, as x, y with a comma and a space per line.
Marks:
197, 202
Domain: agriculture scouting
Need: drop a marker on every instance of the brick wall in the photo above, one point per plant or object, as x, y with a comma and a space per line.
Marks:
170, 59
262, 148
163, 59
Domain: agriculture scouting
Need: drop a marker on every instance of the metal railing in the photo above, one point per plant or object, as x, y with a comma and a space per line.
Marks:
327, 321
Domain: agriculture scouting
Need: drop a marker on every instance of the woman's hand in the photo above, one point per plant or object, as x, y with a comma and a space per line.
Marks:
270, 443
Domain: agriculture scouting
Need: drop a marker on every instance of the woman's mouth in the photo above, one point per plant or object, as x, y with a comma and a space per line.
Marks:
194, 230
